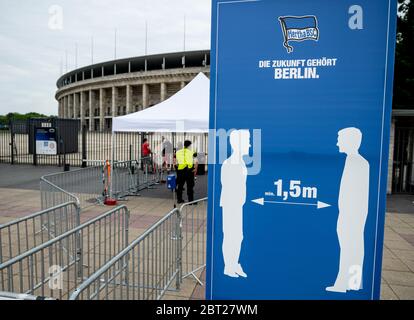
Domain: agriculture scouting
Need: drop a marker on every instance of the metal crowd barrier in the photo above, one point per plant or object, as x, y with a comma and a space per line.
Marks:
52, 195
130, 177
21, 296
57, 267
150, 173
171, 250
125, 179
143, 270
194, 229
84, 186
21, 235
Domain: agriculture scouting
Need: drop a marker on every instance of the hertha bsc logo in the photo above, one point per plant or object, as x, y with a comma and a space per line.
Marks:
298, 29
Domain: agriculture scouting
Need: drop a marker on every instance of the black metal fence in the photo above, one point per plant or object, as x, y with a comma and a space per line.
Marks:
403, 164
80, 147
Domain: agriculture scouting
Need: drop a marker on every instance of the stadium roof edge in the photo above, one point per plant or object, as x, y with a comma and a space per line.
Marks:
148, 58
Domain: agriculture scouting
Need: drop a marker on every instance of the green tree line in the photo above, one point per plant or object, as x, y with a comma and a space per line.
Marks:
404, 57
5, 119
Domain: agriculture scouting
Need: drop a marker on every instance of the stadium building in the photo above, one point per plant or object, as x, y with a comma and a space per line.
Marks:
97, 93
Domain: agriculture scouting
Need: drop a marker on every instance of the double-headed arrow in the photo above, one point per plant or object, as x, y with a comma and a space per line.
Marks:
318, 205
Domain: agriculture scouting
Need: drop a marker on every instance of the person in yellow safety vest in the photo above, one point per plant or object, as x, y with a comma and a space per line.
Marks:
185, 172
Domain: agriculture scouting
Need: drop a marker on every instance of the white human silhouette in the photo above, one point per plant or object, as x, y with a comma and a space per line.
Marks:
353, 211
233, 197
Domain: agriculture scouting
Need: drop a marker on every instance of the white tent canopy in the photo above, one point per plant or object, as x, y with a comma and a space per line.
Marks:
186, 111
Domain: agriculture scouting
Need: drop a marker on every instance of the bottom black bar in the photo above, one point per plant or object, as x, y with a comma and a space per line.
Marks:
213, 310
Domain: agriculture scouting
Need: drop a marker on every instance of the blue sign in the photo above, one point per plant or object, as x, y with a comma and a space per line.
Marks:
301, 104
171, 182
46, 141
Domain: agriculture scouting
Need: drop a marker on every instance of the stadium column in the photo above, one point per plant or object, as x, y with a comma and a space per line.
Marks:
128, 99
75, 106
63, 107
101, 109
163, 91
70, 97
82, 108
145, 96
71, 106
91, 115
69, 112
182, 84
66, 107
114, 96
60, 108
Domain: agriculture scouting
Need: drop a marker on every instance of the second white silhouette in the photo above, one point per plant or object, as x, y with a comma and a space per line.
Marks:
353, 211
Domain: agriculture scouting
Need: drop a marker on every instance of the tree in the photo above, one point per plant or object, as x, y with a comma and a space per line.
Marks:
404, 57
5, 120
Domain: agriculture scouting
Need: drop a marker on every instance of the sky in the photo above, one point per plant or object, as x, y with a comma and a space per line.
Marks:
36, 36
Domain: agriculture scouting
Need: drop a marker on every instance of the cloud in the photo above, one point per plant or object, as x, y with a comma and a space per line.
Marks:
33, 55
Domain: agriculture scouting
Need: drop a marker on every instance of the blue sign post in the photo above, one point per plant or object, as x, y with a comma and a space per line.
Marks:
301, 97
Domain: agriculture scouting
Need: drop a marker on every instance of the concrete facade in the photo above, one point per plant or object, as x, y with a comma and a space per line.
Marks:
96, 100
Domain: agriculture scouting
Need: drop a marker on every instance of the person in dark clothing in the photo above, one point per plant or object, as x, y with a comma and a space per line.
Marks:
185, 172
